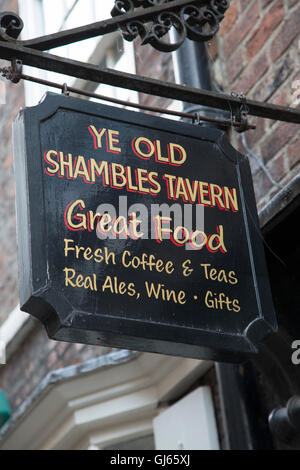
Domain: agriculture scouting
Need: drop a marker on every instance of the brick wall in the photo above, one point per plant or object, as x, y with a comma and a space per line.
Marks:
35, 358
257, 52
153, 64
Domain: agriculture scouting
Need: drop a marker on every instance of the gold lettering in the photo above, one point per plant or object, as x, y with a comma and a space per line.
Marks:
182, 154
112, 140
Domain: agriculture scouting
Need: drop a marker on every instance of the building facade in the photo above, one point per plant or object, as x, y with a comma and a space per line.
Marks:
74, 396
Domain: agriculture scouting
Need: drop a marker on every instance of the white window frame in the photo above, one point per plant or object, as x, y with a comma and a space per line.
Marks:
198, 428
32, 13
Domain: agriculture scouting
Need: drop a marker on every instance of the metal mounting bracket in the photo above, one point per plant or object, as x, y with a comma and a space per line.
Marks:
240, 114
32, 53
198, 20
14, 72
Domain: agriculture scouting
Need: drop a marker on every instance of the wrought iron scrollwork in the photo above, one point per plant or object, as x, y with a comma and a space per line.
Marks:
11, 25
164, 22
128, 6
198, 20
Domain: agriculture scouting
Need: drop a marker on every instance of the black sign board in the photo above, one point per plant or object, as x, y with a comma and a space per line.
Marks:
138, 232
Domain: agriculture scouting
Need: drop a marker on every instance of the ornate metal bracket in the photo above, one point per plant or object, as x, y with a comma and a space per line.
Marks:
198, 21
32, 53
11, 25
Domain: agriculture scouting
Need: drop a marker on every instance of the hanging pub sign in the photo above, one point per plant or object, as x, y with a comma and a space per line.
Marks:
138, 232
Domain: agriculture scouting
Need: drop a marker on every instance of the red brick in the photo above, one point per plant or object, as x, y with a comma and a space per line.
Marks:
292, 3
281, 99
294, 153
262, 185
265, 3
277, 167
276, 76
230, 18
243, 4
52, 358
213, 48
252, 74
278, 139
241, 29
295, 95
287, 33
60, 348
254, 136
268, 24
235, 65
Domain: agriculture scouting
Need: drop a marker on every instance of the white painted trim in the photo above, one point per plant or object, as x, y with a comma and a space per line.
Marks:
33, 13
81, 406
14, 330
13, 324
122, 433
197, 430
